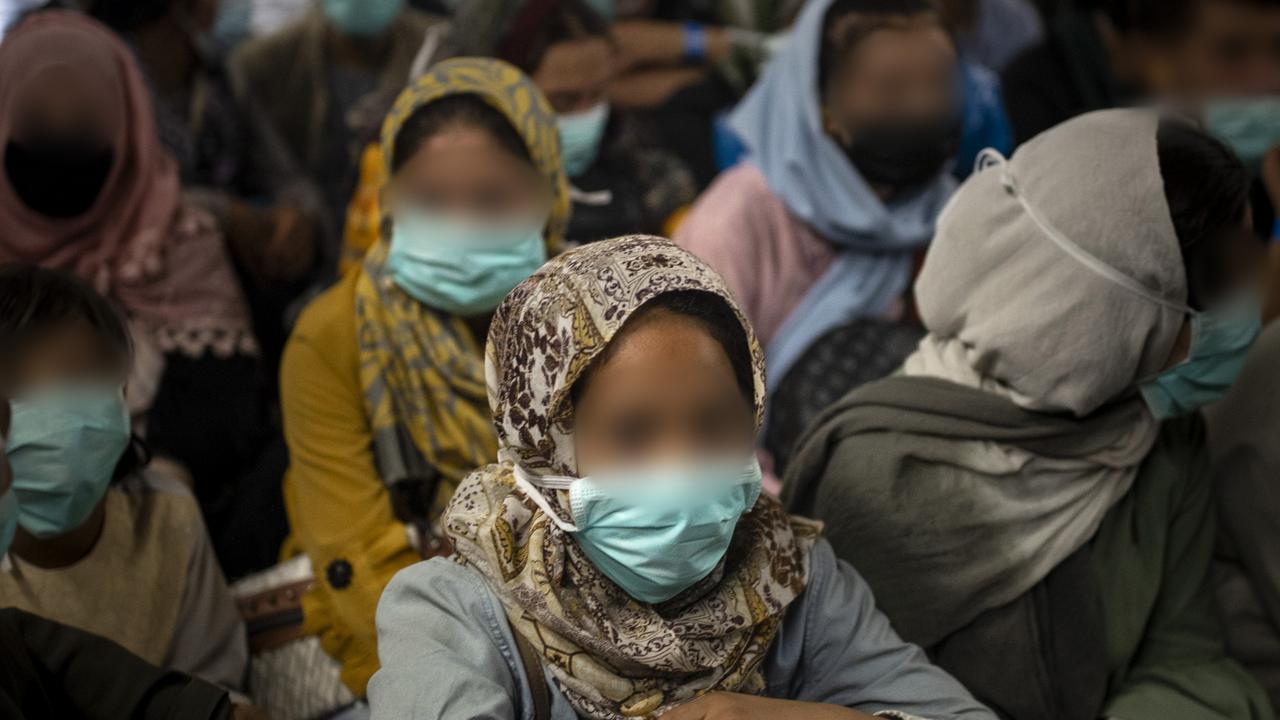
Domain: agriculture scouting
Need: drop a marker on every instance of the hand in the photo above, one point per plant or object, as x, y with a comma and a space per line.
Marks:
735, 706
1271, 175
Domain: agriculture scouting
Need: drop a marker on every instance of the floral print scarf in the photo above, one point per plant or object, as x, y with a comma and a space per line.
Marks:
612, 656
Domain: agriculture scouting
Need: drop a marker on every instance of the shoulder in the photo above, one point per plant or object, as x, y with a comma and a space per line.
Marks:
328, 321
738, 205
161, 509
439, 587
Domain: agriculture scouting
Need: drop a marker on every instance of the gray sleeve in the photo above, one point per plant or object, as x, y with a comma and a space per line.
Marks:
849, 655
437, 624
210, 640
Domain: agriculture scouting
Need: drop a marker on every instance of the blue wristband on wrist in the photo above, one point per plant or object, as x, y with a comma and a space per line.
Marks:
695, 42
1275, 232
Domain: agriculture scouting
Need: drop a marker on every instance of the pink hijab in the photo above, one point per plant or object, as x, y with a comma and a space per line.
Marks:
139, 243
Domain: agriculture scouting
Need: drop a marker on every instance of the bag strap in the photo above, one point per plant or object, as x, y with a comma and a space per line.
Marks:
536, 677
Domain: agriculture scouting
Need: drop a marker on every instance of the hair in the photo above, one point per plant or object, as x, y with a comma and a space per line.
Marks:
1207, 189
467, 110
1156, 17
541, 24
34, 300
716, 317
128, 15
848, 22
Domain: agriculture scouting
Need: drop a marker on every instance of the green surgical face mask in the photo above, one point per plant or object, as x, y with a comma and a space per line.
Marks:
1249, 126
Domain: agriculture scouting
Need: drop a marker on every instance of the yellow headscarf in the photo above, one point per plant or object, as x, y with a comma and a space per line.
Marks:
421, 369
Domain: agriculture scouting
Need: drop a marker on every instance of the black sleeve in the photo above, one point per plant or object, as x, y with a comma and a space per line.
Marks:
100, 680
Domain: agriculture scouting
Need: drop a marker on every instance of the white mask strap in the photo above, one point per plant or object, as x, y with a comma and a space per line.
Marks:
992, 157
527, 483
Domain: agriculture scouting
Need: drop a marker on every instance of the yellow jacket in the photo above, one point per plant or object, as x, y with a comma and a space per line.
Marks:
339, 510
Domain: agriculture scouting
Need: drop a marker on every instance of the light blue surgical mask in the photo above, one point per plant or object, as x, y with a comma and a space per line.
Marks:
463, 266
362, 18
1220, 340
1249, 126
64, 444
654, 531
580, 137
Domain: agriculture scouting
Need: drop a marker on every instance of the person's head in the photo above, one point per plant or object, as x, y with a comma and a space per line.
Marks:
623, 353
888, 89
626, 388
674, 383
564, 45
1207, 49
67, 356
56, 330
77, 134
362, 19
459, 154
1207, 191
1072, 273
476, 184
474, 137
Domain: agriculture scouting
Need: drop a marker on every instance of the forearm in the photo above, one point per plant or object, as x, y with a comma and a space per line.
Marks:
654, 42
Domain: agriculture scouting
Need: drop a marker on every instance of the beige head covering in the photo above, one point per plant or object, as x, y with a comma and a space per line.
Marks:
1063, 327
613, 656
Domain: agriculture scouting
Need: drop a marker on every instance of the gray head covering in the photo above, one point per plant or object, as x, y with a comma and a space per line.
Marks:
1059, 271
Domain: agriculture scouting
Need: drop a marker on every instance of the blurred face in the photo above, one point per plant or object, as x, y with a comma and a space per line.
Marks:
1243, 270
903, 71
464, 171
59, 155
575, 75
61, 102
1231, 49
667, 391
64, 354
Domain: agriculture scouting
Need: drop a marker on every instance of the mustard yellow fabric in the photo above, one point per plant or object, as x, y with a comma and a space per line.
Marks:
375, 384
364, 214
339, 509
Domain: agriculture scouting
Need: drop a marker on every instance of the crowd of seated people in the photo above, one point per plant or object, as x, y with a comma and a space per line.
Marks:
556, 359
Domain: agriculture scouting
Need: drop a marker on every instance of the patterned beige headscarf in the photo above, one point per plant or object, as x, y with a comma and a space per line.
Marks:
612, 656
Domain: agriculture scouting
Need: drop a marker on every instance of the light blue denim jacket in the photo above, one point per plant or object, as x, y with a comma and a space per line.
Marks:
447, 652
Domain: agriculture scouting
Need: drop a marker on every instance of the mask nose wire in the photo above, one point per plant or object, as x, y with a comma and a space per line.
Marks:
990, 158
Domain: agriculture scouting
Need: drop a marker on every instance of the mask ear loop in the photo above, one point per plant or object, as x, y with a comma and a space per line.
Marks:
991, 157
527, 484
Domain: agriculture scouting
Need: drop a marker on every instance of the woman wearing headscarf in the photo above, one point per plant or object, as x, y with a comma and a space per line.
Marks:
88, 188
849, 135
620, 560
383, 378
1029, 498
621, 181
